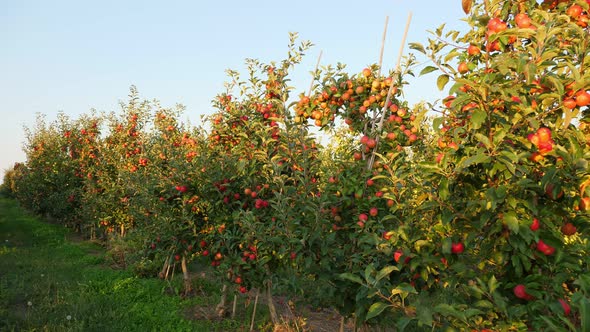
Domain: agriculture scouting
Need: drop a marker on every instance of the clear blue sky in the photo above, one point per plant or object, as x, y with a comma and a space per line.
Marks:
72, 56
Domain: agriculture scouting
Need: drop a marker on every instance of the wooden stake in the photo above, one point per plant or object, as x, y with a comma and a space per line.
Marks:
317, 65
375, 112
233, 312
388, 99
254, 311
382, 45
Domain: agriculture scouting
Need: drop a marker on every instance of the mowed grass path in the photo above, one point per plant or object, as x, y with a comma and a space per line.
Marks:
51, 283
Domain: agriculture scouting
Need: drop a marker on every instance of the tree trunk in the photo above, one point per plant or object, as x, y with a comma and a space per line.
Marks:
188, 288
220, 309
164, 273
271, 305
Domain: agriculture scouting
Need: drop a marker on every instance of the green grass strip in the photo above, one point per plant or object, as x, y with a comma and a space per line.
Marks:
49, 282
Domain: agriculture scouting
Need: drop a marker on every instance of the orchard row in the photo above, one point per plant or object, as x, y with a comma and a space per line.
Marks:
473, 218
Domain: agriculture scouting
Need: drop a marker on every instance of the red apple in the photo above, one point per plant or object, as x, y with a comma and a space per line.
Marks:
397, 255
545, 248
535, 225
457, 248
566, 307
463, 68
520, 292
373, 212
568, 229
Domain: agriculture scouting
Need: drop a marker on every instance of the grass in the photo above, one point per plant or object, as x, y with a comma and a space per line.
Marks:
51, 282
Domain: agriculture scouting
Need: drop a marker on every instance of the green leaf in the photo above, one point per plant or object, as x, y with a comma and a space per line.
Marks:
492, 284
351, 277
447, 310
428, 69
386, 271
404, 288
425, 315
418, 47
369, 271
585, 314
375, 310
484, 139
446, 245
511, 220
478, 118
442, 81
473, 160
403, 322
443, 188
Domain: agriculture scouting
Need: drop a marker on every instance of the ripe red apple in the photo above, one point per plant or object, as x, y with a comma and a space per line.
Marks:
545, 248
457, 248
370, 182
520, 292
397, 255
363, 217
549, 191
582, 98
522, 20
566, 307
238, 280
544, 134
575, 11
373, 212
473, 50
569, 103
177, 257
293, 255
568, 229
496, 25
463, 68
243, 289
535, 225
364, 139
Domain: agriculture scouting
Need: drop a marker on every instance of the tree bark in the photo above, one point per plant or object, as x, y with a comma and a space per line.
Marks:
188, 288
220, 309
271, 305
164, 273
